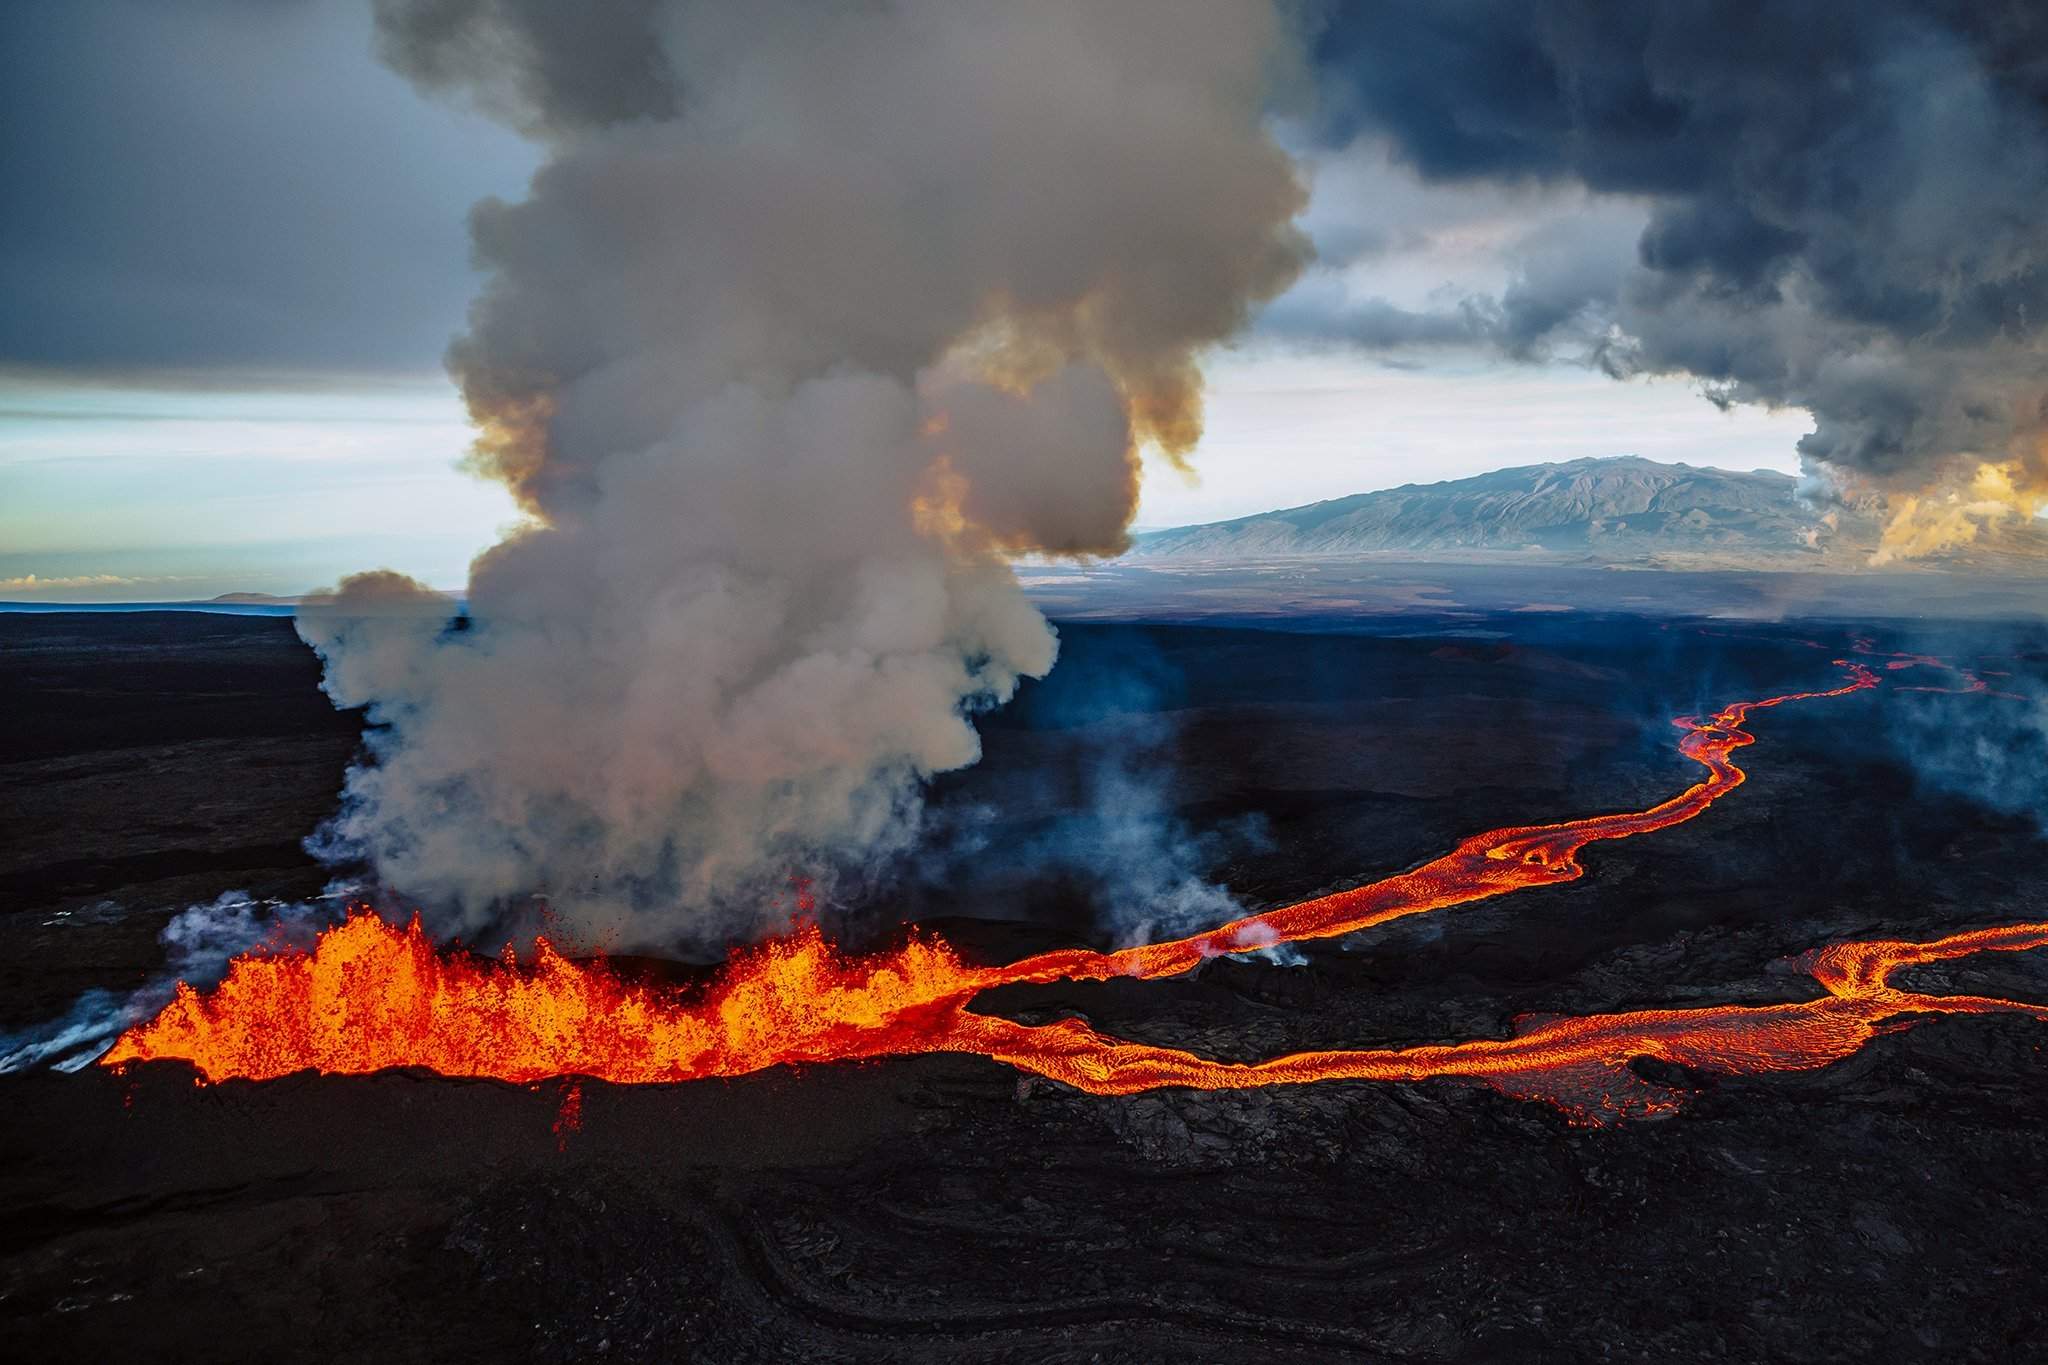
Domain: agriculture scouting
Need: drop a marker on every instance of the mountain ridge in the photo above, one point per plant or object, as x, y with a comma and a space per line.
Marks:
1623, 509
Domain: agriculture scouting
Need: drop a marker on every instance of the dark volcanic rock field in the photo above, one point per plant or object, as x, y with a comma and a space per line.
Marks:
942, 1208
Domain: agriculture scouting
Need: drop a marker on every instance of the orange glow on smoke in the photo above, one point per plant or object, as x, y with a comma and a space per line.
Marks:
372, 996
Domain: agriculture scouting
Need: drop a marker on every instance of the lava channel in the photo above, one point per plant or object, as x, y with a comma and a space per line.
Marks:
371, 996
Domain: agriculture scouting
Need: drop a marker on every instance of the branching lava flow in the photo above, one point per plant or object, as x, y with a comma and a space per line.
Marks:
372, 996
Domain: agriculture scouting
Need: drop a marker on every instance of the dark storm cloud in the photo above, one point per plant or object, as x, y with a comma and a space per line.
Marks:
194, 187
1846, 201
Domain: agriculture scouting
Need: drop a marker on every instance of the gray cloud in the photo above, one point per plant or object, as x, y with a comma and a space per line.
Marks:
222, 183
1560, 278
545, 67
1321, 312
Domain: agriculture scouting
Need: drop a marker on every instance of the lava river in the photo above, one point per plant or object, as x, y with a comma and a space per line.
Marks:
371, 996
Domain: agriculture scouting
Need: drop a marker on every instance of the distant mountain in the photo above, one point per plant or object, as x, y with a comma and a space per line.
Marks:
1621, 510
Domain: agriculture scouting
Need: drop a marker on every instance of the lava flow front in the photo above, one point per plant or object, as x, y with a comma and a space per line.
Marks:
372, 996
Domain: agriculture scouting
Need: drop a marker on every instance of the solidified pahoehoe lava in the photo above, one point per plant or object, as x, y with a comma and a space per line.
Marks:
372, 996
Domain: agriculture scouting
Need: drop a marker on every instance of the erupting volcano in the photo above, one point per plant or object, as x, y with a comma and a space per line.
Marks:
371, 996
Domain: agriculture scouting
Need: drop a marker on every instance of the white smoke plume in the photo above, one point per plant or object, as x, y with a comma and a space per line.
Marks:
812, 315
198, 943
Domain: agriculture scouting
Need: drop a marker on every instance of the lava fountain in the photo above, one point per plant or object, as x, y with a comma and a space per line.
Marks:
370, 996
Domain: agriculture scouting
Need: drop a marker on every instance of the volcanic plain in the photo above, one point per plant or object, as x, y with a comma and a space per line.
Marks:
947, 1207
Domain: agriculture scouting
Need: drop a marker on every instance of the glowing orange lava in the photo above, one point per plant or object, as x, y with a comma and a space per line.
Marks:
1580, 1065
371, 996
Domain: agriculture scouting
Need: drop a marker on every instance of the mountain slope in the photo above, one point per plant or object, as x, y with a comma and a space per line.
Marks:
1623, 510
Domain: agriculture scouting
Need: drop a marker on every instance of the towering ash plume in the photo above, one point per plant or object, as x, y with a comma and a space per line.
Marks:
1846, 209
812, 314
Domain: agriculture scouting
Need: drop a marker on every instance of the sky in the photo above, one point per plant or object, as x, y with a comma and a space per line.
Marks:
237, 246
